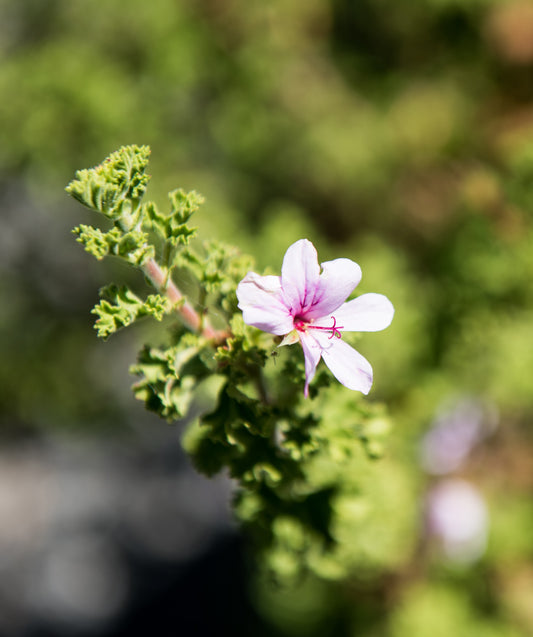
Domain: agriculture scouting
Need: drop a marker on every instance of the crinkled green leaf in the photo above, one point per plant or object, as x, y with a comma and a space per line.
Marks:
162, 388
116, 186
120, 307
93, 240
133, 246
184, 204
173, 227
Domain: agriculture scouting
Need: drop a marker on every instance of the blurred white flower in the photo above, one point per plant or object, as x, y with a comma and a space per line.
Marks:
456, 514
454, 435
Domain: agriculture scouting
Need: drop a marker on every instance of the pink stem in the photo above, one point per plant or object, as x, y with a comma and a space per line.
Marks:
189, 314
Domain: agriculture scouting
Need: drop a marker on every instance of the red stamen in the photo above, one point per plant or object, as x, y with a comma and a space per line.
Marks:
301, 326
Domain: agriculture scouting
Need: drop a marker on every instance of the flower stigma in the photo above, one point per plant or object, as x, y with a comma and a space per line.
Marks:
303, 326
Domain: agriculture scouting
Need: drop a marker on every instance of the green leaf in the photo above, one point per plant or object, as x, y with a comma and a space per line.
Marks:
184, 204
133, 246
93, 240
162, 388
209, 456
120, 307
173, 228
116, 186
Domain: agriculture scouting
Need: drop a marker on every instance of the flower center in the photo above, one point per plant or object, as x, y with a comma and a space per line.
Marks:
302, 326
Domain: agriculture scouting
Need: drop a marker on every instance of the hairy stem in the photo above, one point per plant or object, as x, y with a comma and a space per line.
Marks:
190, 316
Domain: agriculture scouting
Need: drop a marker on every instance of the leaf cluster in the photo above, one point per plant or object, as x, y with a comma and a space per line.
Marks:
157, 242
120, 307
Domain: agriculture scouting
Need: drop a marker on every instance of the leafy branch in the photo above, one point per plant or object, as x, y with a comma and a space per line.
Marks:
294, 460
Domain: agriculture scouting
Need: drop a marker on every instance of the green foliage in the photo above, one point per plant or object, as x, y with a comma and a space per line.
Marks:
182, 206
130, 245
165, 388
441, 611
120, 307
115, 187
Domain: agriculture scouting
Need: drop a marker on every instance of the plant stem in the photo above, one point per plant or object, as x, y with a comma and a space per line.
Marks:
190, 316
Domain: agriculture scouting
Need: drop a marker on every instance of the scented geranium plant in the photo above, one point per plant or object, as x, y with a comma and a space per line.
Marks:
297, 450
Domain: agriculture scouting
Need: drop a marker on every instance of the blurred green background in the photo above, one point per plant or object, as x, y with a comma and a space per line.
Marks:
398, 134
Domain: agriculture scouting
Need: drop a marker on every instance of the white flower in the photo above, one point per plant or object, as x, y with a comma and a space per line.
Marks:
307, 303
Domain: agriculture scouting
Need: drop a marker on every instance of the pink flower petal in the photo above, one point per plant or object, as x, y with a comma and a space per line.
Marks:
348, 366
316, 297
312, 353
337, 280
299, 275
260, 300
366, 313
